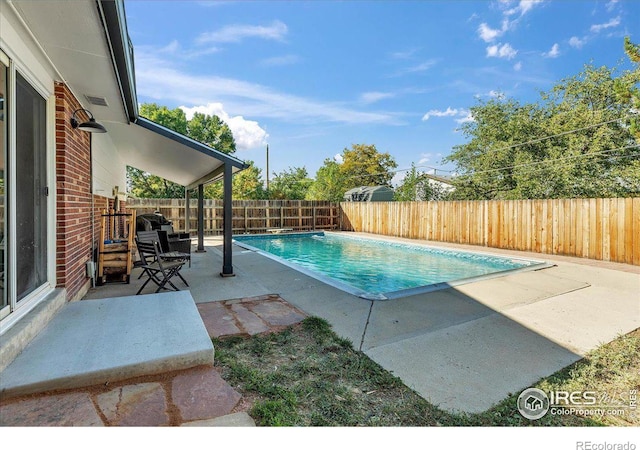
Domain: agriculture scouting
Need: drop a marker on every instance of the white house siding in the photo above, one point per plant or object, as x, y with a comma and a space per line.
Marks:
108, 168
30, 61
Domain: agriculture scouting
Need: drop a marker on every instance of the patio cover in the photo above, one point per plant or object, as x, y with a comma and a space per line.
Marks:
160, 151
147, 146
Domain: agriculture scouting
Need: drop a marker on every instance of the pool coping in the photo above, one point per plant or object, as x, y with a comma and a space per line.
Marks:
535, 264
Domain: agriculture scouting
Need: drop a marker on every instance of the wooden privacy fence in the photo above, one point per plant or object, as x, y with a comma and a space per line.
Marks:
604, 228
249, 216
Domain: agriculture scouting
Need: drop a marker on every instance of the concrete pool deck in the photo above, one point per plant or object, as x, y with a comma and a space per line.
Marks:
464, 348
468, 347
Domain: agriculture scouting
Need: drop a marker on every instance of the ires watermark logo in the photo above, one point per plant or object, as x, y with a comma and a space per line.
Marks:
534, 403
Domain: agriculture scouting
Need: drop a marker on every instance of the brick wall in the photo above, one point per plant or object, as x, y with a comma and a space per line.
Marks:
73, 197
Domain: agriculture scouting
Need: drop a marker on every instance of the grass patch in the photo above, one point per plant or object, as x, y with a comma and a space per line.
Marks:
308, 376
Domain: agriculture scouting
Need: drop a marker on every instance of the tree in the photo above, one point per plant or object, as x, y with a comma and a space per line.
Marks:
630, 92
174, 119
212, 131
291, 184
209, 130
330, 183
416, 187
246, 185
142, 184
573, 143
363, 165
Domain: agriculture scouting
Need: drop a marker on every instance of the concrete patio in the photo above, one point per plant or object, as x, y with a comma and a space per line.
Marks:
464, 348
143, 371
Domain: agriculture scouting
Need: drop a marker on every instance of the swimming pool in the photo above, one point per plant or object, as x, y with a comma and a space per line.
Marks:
379, 269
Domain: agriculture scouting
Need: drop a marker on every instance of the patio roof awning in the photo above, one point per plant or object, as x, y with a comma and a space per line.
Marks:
160, 151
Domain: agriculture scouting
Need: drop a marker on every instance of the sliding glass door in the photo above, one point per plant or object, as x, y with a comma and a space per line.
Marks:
23, 189
4, 83
31, 192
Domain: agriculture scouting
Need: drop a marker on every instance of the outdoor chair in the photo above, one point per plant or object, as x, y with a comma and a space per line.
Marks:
180, 248
157, 267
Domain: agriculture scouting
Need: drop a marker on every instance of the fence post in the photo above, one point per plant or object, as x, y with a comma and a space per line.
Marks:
268, 208
313, 208
300, 215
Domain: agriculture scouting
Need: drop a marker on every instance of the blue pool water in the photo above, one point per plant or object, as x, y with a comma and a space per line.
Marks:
378, 269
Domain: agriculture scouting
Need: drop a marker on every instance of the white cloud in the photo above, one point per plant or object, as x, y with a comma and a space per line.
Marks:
439, 113
501, 51
496, 94
372, 97
172, 47
467, 118
461, 113
407, 54
159, 79
611, 5
338, 158
212, 3
236, 33
553, 53
284, 60
424, 158
603, 26
247, 133
517, 66
511, 17
175, 50
422, 67
398, 178
489, 34
524, 6
576, 42
492, 50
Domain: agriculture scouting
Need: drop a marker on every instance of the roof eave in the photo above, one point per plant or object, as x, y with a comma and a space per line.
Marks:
114, 18
115, 23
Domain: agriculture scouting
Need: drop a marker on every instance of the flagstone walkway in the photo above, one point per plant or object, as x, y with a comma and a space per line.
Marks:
192, 397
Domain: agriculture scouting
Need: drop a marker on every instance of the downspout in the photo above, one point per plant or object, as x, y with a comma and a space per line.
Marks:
91, 265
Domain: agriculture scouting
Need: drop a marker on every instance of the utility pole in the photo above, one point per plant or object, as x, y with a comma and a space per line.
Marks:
267, 167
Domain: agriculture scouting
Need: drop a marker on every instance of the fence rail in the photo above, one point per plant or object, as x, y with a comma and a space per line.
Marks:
604, 228
249, 216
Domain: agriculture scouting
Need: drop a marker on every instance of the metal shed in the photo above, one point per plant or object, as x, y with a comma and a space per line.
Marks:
369, 194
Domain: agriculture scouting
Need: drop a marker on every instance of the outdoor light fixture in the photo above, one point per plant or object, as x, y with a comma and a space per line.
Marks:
91, 125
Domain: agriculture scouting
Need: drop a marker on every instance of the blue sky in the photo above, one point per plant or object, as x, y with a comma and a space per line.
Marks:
311, 78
